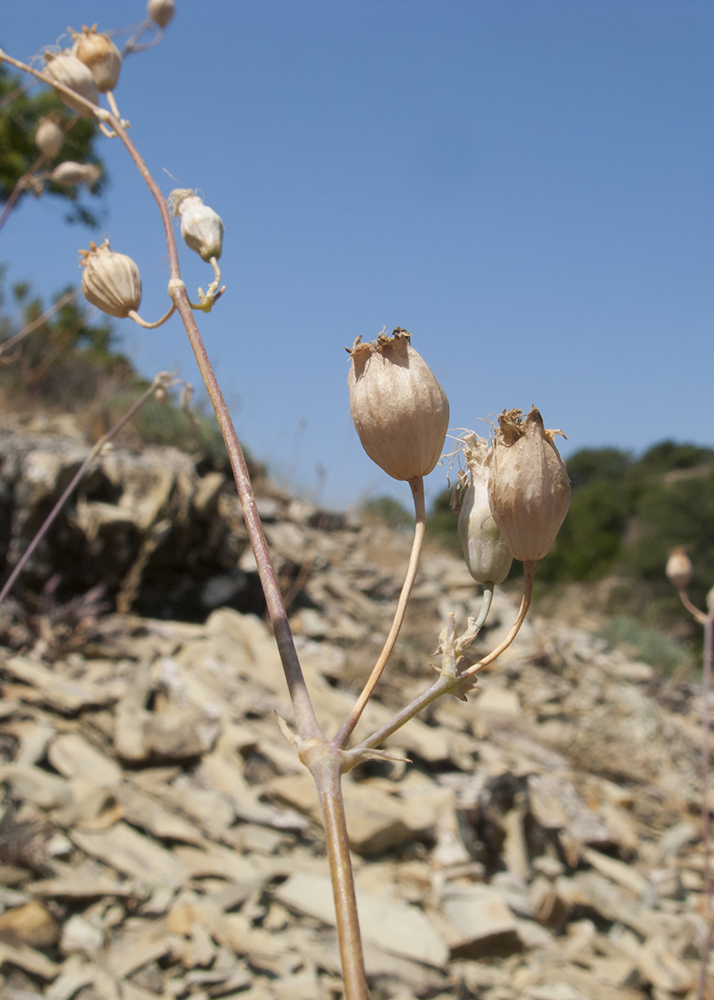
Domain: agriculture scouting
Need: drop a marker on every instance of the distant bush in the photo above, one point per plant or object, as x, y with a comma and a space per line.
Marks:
648, 644
388, 511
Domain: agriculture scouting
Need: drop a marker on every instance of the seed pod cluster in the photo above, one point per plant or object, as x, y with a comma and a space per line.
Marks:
49, 137
99, 54
201, 227
679, 568
160, 11
69, 174
110, 281
399, 410
65, 68
528, 489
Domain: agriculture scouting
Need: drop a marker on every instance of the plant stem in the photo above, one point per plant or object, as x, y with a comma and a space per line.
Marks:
325, 766
417, 488
706, 821
18, 189
161, 377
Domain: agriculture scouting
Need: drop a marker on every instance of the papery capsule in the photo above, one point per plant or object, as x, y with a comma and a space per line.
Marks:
99, 54
529, 489
67, 69
160, 11
679, 568
110, 281
399, 410
201, 227
68, 174
485, 550
49, 137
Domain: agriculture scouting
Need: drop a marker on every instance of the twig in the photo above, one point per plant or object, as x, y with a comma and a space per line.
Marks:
417, 488
39, 321
161, 378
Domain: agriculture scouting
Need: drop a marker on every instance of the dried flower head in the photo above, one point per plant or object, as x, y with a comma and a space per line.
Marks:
68, 174
485, 550
529, 489
49, 137
679, 568
160, 11
65, 68
99, 54
400, 411
110, 281
201, 227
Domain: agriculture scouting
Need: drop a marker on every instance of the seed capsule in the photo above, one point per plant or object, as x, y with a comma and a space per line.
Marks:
679, 568
201, 227
110, 281
99, 54
529, 489
49, 137
67, 69
399, 410
486, 553
68, 174
160, 11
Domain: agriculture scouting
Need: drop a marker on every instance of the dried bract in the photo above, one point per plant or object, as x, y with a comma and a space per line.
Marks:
49, 137
69, 174
529, 489
99, 54
201, 227
679, 568
485, 550
110, 281
399, 410
160, 11
70, 71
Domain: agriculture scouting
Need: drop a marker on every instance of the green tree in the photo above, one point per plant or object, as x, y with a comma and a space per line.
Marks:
20, 111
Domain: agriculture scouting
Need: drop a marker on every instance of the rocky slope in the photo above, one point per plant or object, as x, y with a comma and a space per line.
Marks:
160, 839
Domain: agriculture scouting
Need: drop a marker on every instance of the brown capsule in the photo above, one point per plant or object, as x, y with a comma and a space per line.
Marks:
99, 54
679, 568
529, 489
110, 281
160, 11
399, 410
65, 68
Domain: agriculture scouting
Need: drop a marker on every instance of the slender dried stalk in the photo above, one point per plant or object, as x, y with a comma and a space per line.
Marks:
6, 345
417, 488
706, 820
160, 379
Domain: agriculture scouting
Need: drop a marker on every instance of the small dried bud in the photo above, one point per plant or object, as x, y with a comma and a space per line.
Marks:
485, 550
201, 227
679, 568
161, 395
110, 281
49, 137
67, 69
99, 54
68, 174
529, 489
160, 11
400, 411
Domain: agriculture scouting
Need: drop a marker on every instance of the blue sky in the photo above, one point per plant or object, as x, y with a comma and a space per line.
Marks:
524, 185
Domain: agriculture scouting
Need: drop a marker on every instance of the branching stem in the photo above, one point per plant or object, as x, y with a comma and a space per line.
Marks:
417, 488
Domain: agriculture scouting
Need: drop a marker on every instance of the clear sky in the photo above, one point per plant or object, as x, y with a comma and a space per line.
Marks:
527, 186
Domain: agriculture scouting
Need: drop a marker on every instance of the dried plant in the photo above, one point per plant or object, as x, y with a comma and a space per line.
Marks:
401, 414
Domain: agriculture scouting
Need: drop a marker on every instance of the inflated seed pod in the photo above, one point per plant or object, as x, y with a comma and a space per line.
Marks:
400, 411
49, 137
528, 489
201, 227
160, 11
485, 550
100, 55
679, 568
68, 174
110, 281
67, 69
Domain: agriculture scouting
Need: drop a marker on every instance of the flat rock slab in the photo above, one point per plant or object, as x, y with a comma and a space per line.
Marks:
483, 923
396, 927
